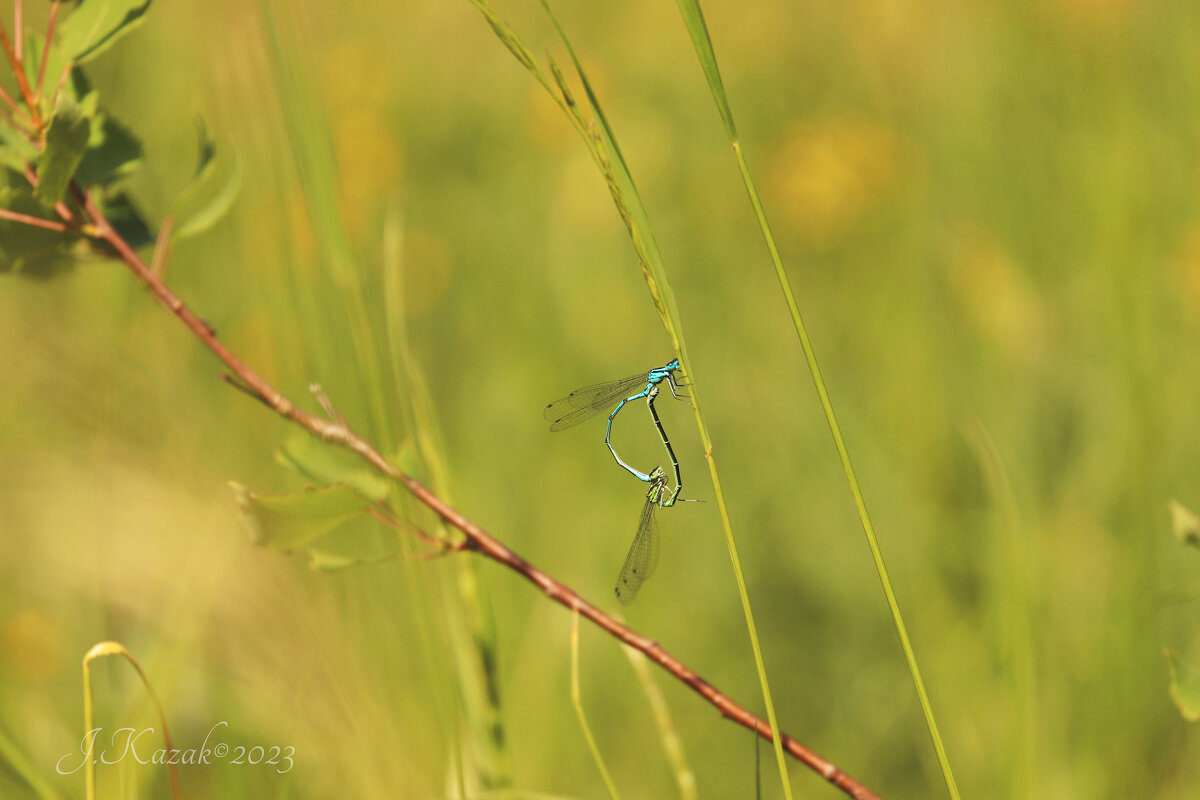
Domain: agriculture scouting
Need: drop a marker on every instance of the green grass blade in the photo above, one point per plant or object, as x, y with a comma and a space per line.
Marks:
694, 20
15, 760
453, 618
472, 630
1013, 556
578, 704
667, 732
316, 168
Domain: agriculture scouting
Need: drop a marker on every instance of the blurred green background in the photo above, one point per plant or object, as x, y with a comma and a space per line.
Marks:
991, 213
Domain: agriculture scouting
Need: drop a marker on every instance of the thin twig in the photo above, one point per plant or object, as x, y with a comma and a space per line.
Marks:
46, 47
233, 381
326, 404
442, 548
19, 125
18, 26
478, 539
36, 222
62, 81
8, 101
60, 207
14, 61
162, 247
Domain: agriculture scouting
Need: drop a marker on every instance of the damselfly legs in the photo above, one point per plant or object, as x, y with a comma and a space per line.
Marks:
585, 403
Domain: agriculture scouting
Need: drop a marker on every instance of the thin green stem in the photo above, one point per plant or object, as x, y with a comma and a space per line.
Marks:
672, 744
16, 761
693, 19
851, 477
578, 703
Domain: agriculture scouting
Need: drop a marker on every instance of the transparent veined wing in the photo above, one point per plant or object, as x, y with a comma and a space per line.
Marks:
643, 556
581, 404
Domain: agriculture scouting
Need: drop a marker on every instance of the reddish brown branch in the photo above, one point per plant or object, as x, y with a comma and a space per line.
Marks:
18, 69
477, 539
8, 101
19, 125
46, 47
440, 547
36, 222
60, 207
18, 25
162, 246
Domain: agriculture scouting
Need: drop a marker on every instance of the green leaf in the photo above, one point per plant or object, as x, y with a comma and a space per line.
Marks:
79, 88
320, 463
326, 561
410, 460
209, 214
25, 250
113, 152
1185, 686
207, 151
66, 142
95, 25
206, 213
16, 152
1185, 524
288, 521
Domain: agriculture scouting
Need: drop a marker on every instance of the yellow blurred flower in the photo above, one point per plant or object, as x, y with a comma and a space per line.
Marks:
995, 294
827, 174
357, 88
1090, 15
369, 163
355, 76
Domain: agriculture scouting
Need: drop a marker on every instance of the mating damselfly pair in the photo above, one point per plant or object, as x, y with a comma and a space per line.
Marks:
583, 404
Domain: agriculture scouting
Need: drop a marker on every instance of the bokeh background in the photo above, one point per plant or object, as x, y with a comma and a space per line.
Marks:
991, 214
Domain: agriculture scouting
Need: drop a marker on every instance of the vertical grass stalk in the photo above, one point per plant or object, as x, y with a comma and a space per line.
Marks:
578, 704
694, 20
395, 388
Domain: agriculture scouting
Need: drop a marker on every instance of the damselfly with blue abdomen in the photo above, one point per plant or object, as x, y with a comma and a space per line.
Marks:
583, 404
